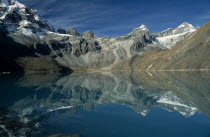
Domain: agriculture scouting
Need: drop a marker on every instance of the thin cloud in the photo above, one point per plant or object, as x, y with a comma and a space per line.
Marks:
114, 18
204, 17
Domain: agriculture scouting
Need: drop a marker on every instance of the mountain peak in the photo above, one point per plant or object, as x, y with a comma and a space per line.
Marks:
140, 30
186, 24
143, 27
73, 31
184, 28
9, 6
7, 3
89, 35
18, 18
171, 36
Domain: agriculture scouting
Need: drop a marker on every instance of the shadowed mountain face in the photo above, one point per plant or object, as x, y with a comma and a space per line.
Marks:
182, 92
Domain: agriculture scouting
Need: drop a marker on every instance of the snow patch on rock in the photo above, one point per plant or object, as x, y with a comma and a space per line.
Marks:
169, 38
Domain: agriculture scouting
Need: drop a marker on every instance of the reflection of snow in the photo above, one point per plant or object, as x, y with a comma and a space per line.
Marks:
178, 104
144, 113
27, 111
67, 107
165, 101
3, 127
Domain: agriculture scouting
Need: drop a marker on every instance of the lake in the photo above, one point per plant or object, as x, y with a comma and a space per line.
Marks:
117, 104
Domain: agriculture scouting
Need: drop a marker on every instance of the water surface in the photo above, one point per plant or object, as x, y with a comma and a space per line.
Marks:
163, 104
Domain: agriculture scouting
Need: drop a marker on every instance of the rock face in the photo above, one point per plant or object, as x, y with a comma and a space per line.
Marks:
85, 47
89, 35
73, 32
142, 32
142, 37
61, 31
138, 45
21, 25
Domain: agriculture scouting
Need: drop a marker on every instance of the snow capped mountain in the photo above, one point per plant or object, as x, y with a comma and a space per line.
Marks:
139, 30
9, 5
170, 37
20, 19
183, 28
143, 27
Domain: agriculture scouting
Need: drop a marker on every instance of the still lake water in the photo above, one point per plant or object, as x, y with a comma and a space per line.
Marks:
163, 104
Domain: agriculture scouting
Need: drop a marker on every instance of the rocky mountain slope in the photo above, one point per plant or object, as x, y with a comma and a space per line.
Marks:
68, 49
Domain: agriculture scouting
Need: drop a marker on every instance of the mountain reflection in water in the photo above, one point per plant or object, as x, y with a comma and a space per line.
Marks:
31, 103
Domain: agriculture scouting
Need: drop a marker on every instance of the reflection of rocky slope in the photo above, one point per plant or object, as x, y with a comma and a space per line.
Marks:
185, 93
107, 88
22, 27
92, 89
191, 86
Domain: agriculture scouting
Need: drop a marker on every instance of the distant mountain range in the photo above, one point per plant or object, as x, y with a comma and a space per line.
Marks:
29, 43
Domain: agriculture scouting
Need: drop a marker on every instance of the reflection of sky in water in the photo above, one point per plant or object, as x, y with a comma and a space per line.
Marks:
106, 104
121, 121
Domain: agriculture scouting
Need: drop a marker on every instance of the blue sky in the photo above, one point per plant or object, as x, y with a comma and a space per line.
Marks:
119, 17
